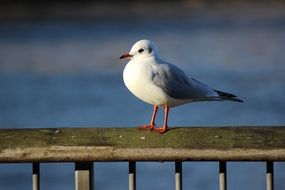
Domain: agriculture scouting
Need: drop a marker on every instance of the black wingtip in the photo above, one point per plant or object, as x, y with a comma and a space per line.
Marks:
238, 100
225, 94
228, 96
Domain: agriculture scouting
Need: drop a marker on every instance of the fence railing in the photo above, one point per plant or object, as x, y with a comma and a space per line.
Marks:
83, 146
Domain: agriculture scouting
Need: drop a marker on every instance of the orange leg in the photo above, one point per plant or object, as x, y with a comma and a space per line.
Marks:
163, 129
152, 121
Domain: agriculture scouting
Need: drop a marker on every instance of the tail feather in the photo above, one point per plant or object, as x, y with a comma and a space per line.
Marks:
228, 96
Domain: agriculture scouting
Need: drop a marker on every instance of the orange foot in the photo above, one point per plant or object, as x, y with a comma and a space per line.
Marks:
147, 127
160, 130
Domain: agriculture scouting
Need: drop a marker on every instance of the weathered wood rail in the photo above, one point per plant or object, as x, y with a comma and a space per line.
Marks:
83, 146
131, 144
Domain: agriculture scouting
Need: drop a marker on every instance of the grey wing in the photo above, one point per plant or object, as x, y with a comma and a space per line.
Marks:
174, 82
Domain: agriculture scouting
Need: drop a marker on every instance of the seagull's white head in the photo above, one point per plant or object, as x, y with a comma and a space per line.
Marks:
141, 49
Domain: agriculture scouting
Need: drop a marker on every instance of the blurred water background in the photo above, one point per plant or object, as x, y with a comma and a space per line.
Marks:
60, 67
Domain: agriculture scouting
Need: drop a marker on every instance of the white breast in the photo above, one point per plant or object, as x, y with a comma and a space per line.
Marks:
138, 79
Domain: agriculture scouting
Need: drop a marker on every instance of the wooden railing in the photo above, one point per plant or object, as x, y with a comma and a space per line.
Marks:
84, 146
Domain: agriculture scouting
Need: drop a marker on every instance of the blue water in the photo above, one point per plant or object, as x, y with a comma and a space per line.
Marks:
67, 74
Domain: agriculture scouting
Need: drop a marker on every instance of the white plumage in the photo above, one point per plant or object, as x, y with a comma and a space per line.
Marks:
160, 83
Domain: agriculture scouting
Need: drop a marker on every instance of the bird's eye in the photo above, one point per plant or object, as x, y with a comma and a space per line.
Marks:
149, 50
141, 50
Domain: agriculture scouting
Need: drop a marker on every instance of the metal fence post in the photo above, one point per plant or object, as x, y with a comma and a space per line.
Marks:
132, 175
36, 176
178, 175
269, 175
223, 175
84, 172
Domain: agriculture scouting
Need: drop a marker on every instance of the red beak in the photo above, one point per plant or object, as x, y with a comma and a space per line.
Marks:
126, 56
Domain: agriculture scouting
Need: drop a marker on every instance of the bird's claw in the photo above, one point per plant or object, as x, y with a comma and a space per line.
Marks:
151, 127
160, 130
147, 127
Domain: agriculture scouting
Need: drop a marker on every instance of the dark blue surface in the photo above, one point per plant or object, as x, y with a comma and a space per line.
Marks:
65, 74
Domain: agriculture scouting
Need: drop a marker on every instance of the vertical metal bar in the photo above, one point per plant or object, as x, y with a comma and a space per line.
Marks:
178, 175
84, 172
223, 175
132, 175
269, 175
36, 176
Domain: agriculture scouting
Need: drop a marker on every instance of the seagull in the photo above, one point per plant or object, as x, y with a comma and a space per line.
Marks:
163, 84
